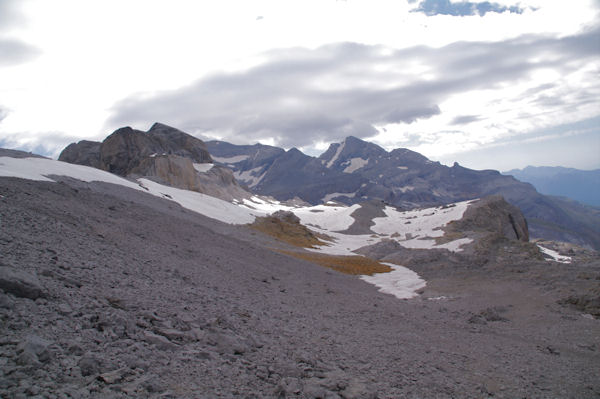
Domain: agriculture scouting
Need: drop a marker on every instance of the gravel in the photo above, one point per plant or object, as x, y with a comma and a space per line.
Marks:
142, 298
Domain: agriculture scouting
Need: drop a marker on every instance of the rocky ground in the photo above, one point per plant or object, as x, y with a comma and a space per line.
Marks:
111, 293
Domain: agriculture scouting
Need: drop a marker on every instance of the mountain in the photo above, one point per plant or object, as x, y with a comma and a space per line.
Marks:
124, 287
581, 185
355, 171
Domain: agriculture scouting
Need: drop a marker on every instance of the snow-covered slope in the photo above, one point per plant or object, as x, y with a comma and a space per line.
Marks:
412, 229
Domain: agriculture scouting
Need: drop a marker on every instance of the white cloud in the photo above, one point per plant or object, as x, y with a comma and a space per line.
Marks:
95, 53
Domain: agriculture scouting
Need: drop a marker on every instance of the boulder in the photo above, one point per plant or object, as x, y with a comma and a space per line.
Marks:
20, 283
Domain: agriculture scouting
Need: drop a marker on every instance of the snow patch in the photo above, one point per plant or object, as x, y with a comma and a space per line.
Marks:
329, 218
236, 159
403, 167
203, 167
556, 257
40, 168
331, 196
337, 154
401, 282
355, 164
201, 203
406, 188
249, 176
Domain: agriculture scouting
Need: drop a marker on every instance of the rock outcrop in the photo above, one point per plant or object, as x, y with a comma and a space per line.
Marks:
84, 152
163, 154
126, 148
494, 215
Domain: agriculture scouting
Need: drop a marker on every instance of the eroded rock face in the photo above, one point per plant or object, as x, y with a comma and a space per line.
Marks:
84, 152
126, 148
494, 214
174, 170
163, 154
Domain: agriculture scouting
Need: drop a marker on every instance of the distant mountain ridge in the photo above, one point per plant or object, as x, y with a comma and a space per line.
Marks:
580, 185
355, 171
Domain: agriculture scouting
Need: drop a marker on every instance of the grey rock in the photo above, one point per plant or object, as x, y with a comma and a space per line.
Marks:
494, 214
89, 365
161, 342
20, 283
83, 152
33, 349
289, 387
6, 301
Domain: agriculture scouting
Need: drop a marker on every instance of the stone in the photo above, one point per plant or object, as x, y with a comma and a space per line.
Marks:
112, 377
89, 365
20, 283
161, 342
33, 349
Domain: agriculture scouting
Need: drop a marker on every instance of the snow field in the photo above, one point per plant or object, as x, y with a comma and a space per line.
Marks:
41, 168
401, 282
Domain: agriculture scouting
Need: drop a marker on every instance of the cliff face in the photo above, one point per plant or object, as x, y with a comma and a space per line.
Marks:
126, 148
494, 215
164, 154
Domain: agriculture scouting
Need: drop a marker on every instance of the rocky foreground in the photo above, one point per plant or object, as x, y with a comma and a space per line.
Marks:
111, 293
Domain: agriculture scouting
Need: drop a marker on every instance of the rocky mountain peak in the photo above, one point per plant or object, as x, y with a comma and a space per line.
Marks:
341, 154
163, 153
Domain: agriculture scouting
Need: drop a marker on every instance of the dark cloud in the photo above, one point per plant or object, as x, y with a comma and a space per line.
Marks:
462, 8
13, 52
299, 96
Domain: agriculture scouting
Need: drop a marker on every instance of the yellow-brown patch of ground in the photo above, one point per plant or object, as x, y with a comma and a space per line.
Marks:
357, 265
292, 233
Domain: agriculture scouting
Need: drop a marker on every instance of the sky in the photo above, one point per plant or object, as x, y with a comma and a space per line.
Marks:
491, 85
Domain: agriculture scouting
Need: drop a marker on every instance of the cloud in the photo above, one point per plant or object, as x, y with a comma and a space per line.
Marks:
299, 96
13, 52
48, 144
10, 14
462, 8
465, 119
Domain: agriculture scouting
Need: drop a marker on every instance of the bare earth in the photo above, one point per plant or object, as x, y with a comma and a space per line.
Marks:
141, 298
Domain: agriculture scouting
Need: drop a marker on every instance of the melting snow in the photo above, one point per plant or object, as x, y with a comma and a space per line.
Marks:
330, 218
203, 167
554, 255
337, 154
249, 176
236, 159
355, 164
40, 168
331, 196
403, 167
400, 282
